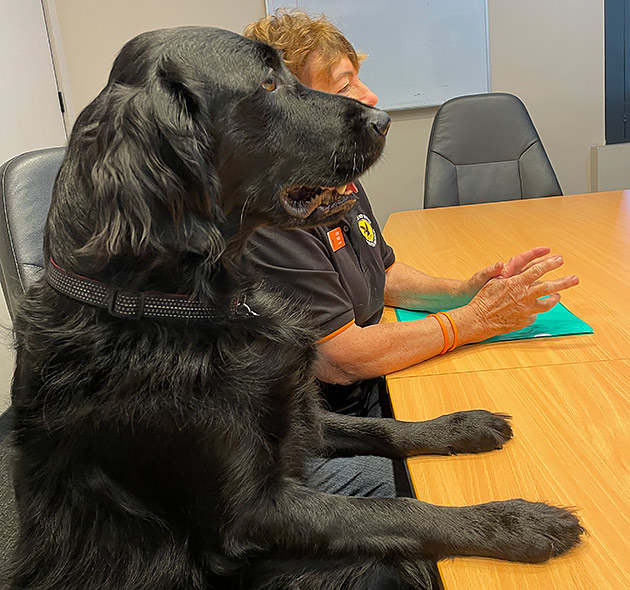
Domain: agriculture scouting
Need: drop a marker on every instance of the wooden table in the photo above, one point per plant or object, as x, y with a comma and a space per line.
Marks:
591, 231
569, 397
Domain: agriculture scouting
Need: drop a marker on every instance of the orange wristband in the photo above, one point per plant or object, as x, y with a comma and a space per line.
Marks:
444, 332
450, 319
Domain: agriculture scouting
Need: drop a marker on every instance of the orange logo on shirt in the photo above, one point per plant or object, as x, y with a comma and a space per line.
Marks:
336, 239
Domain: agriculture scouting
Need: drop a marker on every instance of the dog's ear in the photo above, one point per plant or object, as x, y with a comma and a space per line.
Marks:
154, 185
181, 85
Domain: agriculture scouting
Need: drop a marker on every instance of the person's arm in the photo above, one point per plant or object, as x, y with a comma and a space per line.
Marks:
501, 305
409, 288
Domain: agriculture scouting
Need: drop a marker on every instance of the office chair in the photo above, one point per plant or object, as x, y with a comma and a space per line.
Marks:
26, 184
484, 148
8, 511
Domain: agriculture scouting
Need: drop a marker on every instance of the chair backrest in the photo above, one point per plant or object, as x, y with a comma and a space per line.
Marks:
485, 148
26, 184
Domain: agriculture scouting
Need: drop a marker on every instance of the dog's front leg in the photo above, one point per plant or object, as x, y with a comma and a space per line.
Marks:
471, 431
297, 521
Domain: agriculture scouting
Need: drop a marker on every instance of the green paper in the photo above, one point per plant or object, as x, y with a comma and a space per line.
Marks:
558, 321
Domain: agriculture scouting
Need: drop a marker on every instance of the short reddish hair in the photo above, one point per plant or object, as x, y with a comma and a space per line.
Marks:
303, 38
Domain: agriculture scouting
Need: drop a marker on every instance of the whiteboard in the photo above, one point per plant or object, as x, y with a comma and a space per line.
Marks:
421, 52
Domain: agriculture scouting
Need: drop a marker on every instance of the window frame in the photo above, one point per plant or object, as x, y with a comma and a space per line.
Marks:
617, 76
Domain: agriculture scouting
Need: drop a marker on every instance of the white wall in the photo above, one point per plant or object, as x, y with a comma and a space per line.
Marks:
30, 116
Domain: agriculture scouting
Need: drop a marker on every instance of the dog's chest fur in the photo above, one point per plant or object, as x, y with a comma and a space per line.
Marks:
234, 396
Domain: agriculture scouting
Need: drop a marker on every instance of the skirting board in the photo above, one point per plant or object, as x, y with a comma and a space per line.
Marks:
610, 167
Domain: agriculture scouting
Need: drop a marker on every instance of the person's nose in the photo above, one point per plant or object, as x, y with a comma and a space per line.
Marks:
365, 95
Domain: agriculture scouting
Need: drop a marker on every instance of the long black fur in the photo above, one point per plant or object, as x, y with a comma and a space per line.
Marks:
167, 455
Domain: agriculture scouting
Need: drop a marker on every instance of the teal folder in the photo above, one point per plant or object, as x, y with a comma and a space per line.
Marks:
558, 321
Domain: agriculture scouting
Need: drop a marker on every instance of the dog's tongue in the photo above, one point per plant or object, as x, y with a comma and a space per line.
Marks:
346, 189
350, 188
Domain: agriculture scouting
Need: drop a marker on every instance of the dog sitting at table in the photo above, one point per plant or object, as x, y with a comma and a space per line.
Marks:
164, 401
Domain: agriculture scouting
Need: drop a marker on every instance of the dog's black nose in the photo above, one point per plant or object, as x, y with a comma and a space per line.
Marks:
381, 121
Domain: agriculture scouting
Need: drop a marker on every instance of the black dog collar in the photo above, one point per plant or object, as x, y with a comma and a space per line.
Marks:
134, 305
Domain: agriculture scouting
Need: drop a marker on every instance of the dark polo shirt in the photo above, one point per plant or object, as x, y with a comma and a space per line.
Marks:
337, 272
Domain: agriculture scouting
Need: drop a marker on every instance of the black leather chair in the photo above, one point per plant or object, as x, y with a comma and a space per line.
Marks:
485, 148
8, 512
26, 183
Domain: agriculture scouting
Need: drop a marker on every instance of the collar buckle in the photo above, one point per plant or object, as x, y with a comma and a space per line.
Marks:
126, 305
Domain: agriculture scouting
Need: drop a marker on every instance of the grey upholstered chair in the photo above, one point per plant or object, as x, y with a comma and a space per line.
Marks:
8, 511
26, 184
485, 148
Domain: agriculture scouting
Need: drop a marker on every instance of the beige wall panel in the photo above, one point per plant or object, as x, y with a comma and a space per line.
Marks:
551, 54
92, 32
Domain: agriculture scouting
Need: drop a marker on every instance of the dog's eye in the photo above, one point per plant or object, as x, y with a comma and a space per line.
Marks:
269, 84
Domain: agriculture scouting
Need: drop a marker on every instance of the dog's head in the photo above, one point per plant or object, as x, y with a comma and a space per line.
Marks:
201, 135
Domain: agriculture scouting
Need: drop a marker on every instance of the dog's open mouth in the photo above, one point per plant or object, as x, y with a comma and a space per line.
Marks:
303, 201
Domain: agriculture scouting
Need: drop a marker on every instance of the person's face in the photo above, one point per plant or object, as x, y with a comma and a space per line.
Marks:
343, 79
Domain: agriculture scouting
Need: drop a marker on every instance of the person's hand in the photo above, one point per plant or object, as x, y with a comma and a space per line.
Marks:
510, 303
521, 262
514, 266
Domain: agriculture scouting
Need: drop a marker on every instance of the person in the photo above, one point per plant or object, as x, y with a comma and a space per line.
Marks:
346, 273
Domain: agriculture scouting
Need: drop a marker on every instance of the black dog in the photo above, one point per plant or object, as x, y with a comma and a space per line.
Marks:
164, 402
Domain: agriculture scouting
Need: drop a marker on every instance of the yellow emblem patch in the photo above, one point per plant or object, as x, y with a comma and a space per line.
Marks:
365, 227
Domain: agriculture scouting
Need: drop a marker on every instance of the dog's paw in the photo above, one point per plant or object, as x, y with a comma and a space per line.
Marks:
532, 532
473, 431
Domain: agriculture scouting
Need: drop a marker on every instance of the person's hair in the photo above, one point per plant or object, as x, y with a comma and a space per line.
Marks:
301, 38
